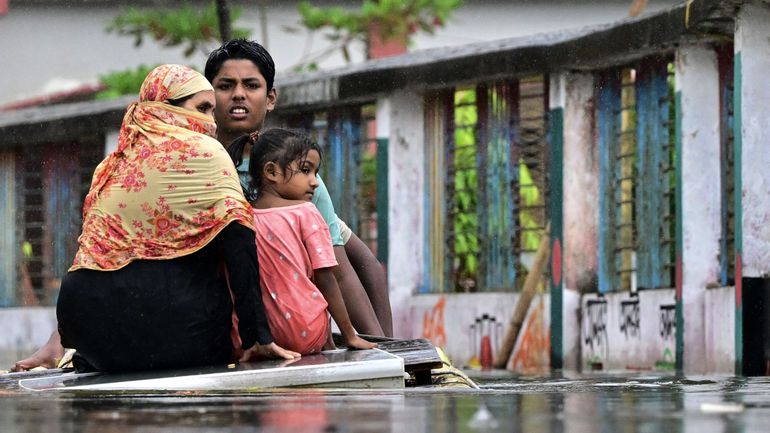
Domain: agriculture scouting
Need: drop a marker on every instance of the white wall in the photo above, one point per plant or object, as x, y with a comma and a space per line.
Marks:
406, 173
719, 329
697, 82
24, 331
446, 320
574, 93
620, 332
753, 46
581, 183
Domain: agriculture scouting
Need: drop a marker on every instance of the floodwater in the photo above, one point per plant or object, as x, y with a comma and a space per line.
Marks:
555, 403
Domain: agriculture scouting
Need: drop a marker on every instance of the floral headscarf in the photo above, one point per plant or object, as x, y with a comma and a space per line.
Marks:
168, 189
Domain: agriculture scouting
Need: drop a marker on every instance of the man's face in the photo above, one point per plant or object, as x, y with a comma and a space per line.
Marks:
242, 98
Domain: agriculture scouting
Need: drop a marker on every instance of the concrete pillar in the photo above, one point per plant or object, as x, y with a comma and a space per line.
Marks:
752, 47
580, 206
403, 112
752, 207
697, 88
557, 100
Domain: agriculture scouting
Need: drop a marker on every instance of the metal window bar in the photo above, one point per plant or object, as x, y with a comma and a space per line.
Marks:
492, 231
499, 228
33, 219
9, 237
727, 151
624, 181
462, 183
655, 197
608, 103
438, 119
531, 192
346, 136
62, 214
668, 168
366, 207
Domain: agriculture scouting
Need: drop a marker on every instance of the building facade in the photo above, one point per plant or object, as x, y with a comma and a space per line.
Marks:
632, 152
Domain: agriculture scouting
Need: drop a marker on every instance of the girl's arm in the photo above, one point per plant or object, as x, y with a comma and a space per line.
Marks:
327, 284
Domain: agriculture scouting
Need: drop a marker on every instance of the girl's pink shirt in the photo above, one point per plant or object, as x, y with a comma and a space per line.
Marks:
292, 242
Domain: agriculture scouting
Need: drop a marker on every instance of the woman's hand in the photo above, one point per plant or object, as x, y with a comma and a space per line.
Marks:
356, 342
272, 350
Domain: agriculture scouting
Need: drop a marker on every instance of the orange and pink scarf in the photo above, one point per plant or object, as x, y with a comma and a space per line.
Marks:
168, 189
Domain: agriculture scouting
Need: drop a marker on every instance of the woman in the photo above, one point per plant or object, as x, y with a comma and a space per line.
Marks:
146, 290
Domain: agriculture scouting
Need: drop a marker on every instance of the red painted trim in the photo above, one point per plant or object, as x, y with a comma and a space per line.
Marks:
556, 262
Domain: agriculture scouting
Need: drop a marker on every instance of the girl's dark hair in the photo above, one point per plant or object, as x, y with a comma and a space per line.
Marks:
282, 146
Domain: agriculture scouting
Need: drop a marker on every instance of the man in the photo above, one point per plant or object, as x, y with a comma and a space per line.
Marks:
242, 74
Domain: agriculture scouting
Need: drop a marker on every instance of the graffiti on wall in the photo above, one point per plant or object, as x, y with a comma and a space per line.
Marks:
433, 324
630, 318
595, 330
535, 342
667, 321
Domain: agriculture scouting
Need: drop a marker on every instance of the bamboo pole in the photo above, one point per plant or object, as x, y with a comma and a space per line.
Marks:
527, 293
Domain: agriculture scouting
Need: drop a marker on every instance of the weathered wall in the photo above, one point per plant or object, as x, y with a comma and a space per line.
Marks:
752, 48
581, 184
453, 321
24, 331
697, 86
719, 331
571, 322
620, 331
405, 197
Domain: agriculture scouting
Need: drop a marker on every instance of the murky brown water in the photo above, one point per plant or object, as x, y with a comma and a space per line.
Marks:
655, 404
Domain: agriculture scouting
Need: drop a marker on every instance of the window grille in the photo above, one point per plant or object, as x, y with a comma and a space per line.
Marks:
727, 151
9, 239
637, 205
655, 198
347, 136
487, 184
616, 118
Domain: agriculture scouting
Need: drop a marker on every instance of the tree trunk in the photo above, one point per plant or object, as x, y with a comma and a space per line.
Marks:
263, 23
223, 14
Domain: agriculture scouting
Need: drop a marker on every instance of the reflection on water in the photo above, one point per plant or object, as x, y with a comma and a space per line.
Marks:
653, 404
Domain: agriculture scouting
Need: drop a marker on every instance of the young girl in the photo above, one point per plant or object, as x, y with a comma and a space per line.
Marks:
294, 247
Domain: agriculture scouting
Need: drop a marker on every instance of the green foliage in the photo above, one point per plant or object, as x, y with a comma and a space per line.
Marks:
393, 19
125, 82
465, 207
188, 26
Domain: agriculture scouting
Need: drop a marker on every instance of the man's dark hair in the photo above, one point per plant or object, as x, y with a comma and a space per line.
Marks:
237, 49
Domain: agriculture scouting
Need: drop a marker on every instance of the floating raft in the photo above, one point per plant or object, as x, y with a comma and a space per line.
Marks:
335, 369
419, 355
393, 365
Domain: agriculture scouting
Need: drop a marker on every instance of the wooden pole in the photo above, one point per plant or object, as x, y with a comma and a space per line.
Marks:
527, 293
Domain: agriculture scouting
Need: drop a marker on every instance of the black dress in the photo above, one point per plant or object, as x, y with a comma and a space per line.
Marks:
158, 314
